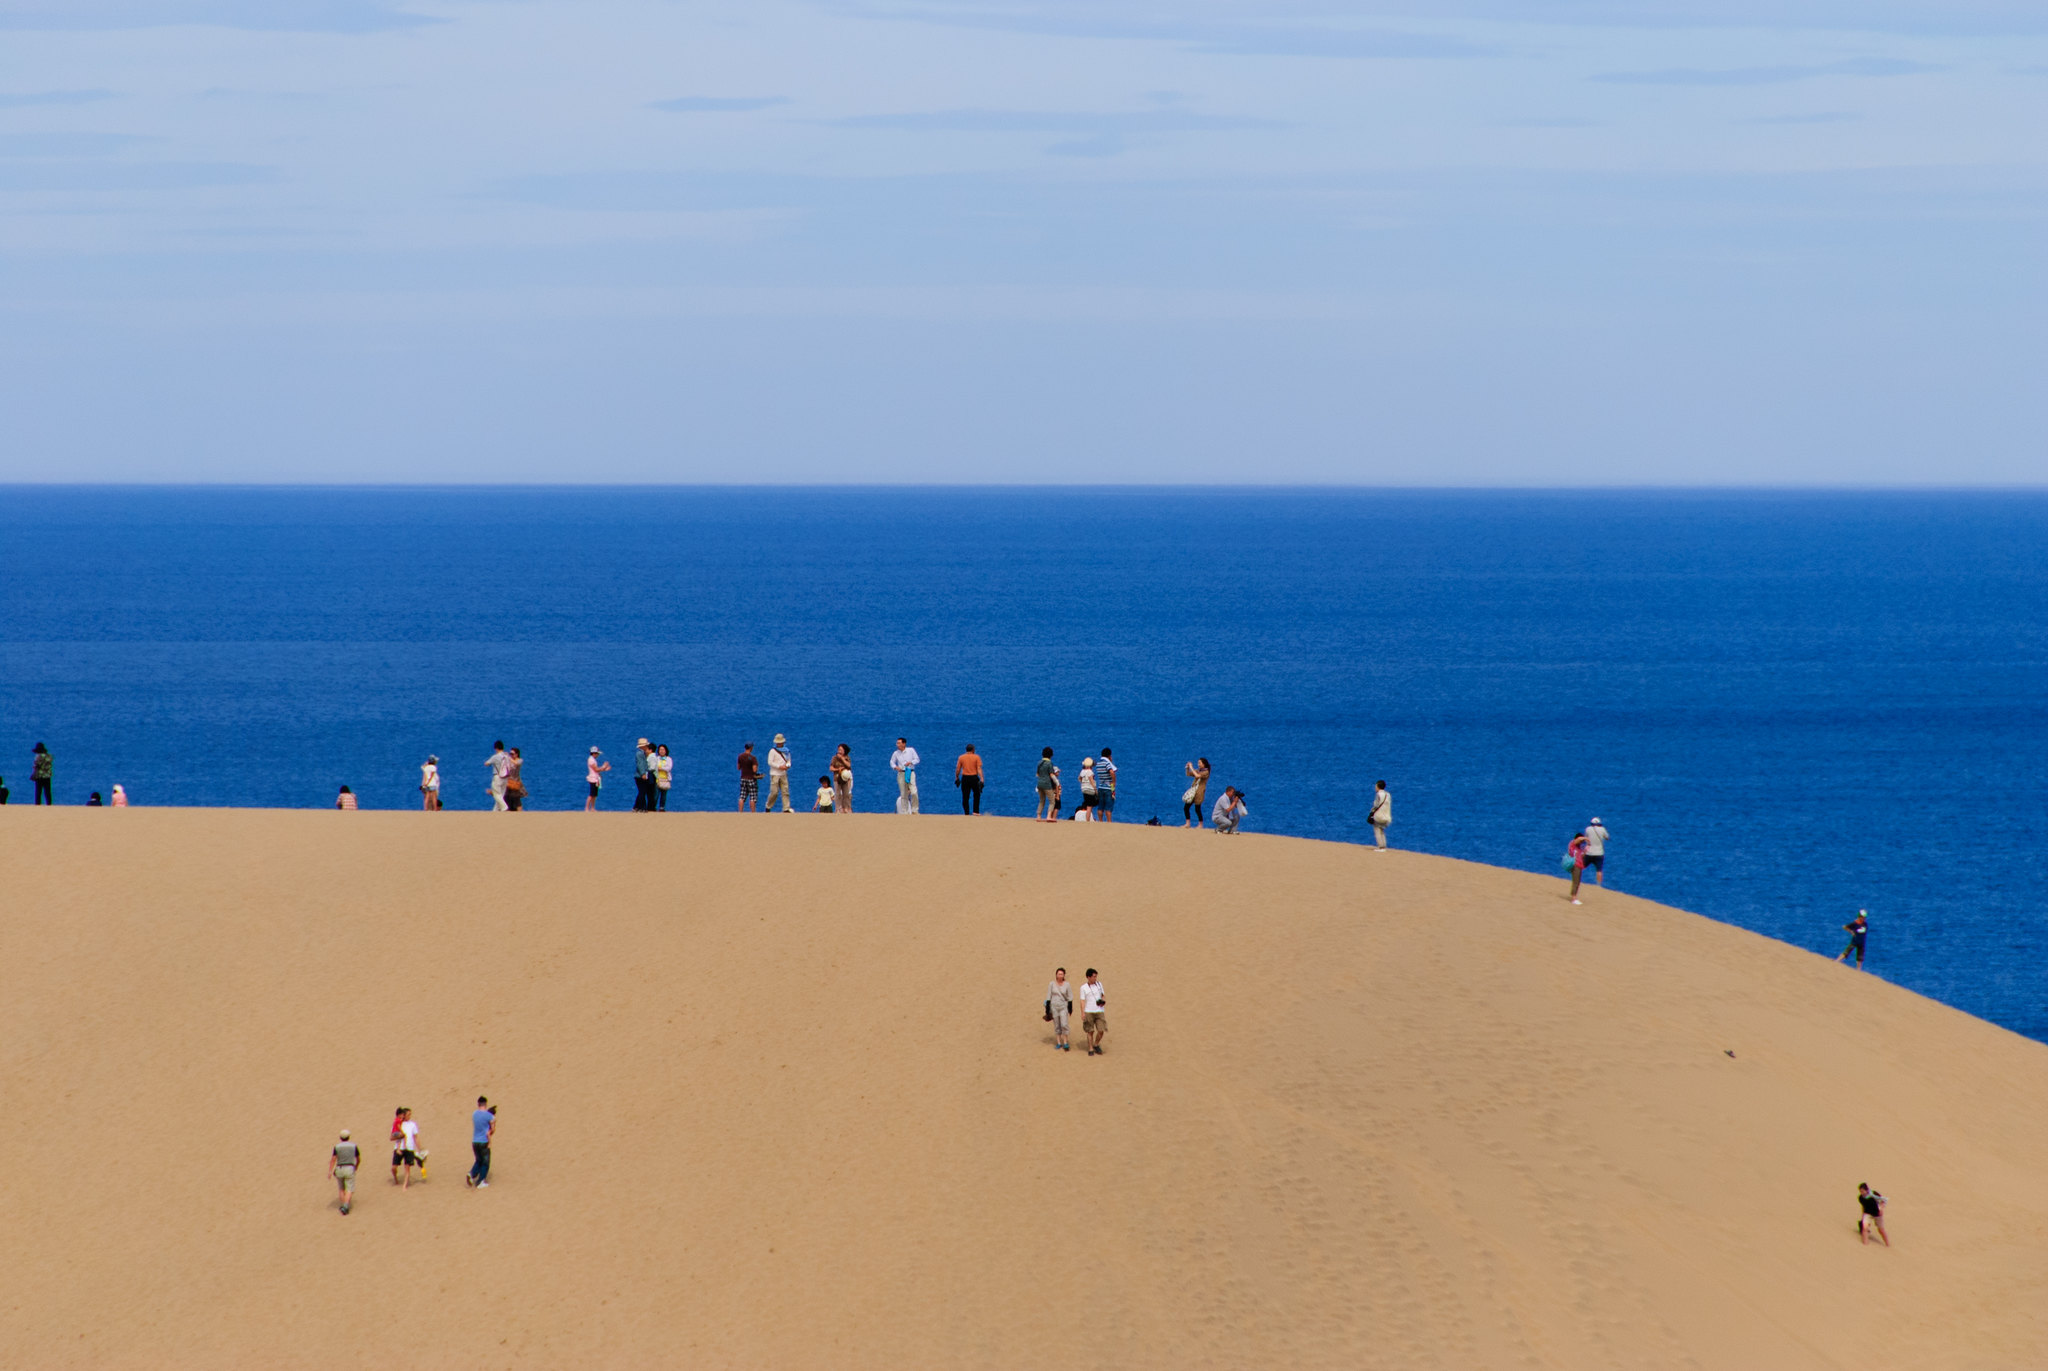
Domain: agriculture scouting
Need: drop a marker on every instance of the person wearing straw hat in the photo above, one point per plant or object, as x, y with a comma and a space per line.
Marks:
778, 776
593, 775
341, 1169
643, 777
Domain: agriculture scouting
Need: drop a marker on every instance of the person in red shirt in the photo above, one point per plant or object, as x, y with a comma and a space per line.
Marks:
750, 778
967, 775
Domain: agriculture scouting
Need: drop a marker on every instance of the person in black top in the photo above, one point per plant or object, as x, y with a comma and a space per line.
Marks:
1872, 1216
1857, 929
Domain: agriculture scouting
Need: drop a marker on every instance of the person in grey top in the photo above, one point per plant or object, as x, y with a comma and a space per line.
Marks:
1596, 850
1059, 1007
341, 1169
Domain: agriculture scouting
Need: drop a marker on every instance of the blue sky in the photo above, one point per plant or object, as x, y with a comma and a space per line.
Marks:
1547, 242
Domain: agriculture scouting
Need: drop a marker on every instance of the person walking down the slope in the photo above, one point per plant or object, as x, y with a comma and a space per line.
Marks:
968, 776
664, 776
1094, 1013
778, 776
1596, 851
1871, 1216
483, 1126
841, 767
501, 767
1575, 858
1191, 798
1381, 816
42, 770
1059, 1007
903, 761
828, 796
346, 799
593, 776
750, 778
430, 783
405, 1147
1048, 789
341, 1169
1858, 929
643, 777
1105, 788
1229, 812
515, 781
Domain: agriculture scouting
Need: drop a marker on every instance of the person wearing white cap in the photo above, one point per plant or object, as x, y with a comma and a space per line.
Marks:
778, 776
341, 1169
1596, 851
593, 774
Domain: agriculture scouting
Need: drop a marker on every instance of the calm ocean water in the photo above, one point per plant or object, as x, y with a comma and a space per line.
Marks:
1785, 706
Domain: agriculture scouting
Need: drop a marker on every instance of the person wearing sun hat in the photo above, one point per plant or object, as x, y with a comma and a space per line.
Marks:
778, 776
594, 775
643, 777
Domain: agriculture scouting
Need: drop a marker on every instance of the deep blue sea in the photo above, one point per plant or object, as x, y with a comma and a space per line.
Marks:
1784, 706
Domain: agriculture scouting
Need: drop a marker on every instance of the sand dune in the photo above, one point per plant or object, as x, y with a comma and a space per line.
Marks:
776, 1093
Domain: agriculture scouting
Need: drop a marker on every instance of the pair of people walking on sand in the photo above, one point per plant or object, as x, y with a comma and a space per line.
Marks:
1059, 1009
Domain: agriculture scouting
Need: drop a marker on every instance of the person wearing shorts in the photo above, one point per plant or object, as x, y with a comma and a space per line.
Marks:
405, 1147
1059, 1007
1094, 1013
341, 1169
1871, 1219
593, 776
750, 778
1596, 851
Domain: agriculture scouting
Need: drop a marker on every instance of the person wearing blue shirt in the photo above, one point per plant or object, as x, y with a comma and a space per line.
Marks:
483, 1124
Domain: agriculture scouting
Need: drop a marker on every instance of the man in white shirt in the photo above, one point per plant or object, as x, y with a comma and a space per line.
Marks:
904, 761
1381, 815
778, 776
1094, 1008
407, 1153
501, 767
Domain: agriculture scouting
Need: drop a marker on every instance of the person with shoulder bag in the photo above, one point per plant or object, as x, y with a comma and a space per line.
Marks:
1059, 1006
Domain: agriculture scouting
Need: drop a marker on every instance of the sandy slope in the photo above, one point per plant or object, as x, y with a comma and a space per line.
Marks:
776, 1093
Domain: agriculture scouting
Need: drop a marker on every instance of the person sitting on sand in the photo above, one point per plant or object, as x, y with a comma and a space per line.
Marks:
1872, 1217
120, 796
93, 801
341, 1169
346, 799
